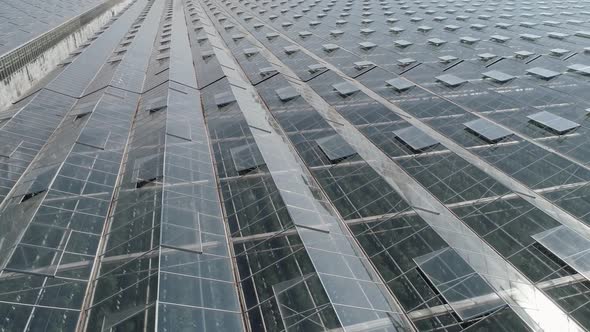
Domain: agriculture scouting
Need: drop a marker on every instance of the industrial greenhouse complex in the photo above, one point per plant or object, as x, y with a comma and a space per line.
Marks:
294, 165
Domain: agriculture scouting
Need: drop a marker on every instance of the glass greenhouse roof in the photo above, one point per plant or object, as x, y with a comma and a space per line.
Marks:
297, 165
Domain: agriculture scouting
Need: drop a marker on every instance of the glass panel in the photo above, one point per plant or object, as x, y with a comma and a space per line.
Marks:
466, 291
569, 246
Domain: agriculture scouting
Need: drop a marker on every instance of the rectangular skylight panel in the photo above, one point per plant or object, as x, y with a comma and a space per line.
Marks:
267, 71
363, 64
415, 138
487, 130
486, 56
558, 51
498, 76
436, 41
335, 148
115, 59
528, 24
38, 180
557, 35
246, 158
148, 167
290, 49
499, 38
542, 72
553, 122
529, 36
345, 88
155, 104
83, 108
316, 68
67, 61
330, 47
399, 84
584, 34
468, 294
502, 25
222, 99
402, 43
251, 51
569, 246
179, 129
523, 54
469, 40
367, 45
406, 61
207, 54
579, 68
450, 80
447, 58
287, 93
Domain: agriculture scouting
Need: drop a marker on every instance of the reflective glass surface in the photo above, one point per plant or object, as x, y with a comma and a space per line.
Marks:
300, 165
